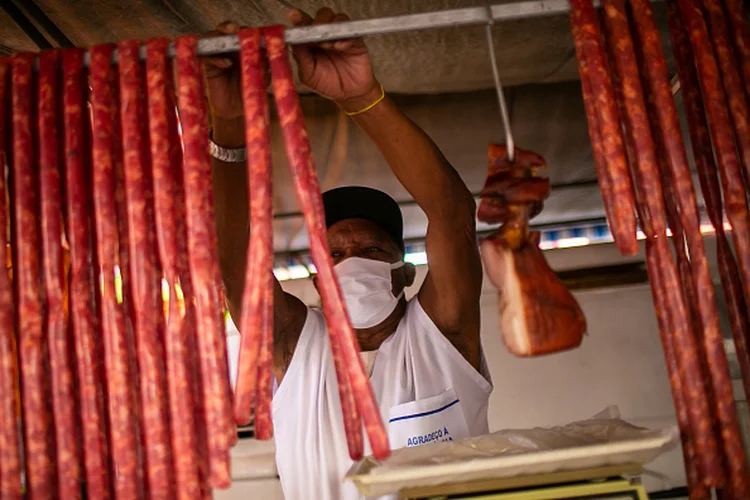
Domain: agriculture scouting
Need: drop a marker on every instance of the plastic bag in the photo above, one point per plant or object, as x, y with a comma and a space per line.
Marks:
602, 440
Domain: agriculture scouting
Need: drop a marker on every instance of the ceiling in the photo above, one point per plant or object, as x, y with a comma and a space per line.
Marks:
443, 78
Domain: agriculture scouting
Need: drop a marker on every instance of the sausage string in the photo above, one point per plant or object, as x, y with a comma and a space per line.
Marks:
121, 392
10, 458
690, 396
84, 324
203, 261
343, 340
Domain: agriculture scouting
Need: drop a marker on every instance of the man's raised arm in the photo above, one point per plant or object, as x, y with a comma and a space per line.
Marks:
451, 291
342, 72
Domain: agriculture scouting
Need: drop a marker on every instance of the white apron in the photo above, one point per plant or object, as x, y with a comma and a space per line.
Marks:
427, 392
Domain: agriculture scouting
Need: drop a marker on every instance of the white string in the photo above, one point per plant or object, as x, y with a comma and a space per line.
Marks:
509, 143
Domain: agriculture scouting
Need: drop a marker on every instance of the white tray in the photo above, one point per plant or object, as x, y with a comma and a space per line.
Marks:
374, 479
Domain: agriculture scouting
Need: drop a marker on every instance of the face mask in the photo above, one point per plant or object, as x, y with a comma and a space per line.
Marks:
366, 285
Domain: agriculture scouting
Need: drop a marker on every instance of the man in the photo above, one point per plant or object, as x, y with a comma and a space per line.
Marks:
424, 356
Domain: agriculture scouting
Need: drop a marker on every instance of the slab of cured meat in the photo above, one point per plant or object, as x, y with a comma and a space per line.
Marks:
538, 315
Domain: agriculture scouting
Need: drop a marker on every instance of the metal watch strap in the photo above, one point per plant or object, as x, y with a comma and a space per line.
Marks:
238, 155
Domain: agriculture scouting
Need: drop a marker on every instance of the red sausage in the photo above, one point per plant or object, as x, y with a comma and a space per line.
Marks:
122, 267
10, 458
730, 77
308, 193
735, 10
605, 183
202, 242
668, 326
669, 130
614, 73
735, 201
651, 208
256, 306
186, 296
143, 287
123, 415
700, 140
263, 424
82, 310
178, 365
39, 440
593, 69
61, 365
629, 93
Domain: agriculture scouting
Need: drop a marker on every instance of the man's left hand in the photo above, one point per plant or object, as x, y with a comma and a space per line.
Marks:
339, 70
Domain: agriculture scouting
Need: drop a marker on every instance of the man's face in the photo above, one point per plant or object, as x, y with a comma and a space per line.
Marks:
365, 239
361, 238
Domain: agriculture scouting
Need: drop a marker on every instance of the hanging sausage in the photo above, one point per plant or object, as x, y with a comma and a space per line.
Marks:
615, 183
177, 364
58, 341
85, 326
256, 307
700, 141
39, 439
10, 428
121, 391
684, 361
203, 261
343, 341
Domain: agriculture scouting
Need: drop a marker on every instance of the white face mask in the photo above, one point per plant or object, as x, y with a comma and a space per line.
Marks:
367, 288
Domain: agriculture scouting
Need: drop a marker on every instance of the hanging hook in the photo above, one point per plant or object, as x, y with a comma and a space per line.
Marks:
499, 86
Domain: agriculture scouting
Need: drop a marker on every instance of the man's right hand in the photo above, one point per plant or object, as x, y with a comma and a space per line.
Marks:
223, 87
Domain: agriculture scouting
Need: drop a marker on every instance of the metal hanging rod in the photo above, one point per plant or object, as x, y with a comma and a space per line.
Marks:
211, 46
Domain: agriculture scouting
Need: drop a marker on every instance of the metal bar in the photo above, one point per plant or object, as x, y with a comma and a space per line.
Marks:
26, 25
469, 16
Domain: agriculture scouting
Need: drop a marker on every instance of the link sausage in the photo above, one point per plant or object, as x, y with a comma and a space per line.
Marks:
700, 140
255, 304
202, 243
308, 192
61, 365
143, 287
89, 367
10, 429
668, 129
593, 70
39, 439
164, 168
730, 77
122, 396
642, 151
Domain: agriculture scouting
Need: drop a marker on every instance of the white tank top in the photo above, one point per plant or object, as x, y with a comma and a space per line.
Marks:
426, 390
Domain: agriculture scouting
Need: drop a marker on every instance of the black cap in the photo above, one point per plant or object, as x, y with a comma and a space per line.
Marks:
359, 202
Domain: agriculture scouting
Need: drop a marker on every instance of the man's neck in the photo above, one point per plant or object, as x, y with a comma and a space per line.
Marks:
371, 338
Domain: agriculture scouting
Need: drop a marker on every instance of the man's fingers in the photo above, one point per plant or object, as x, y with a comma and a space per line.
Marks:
298, 17
228, 28
343, 45
324, 16
304, 57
